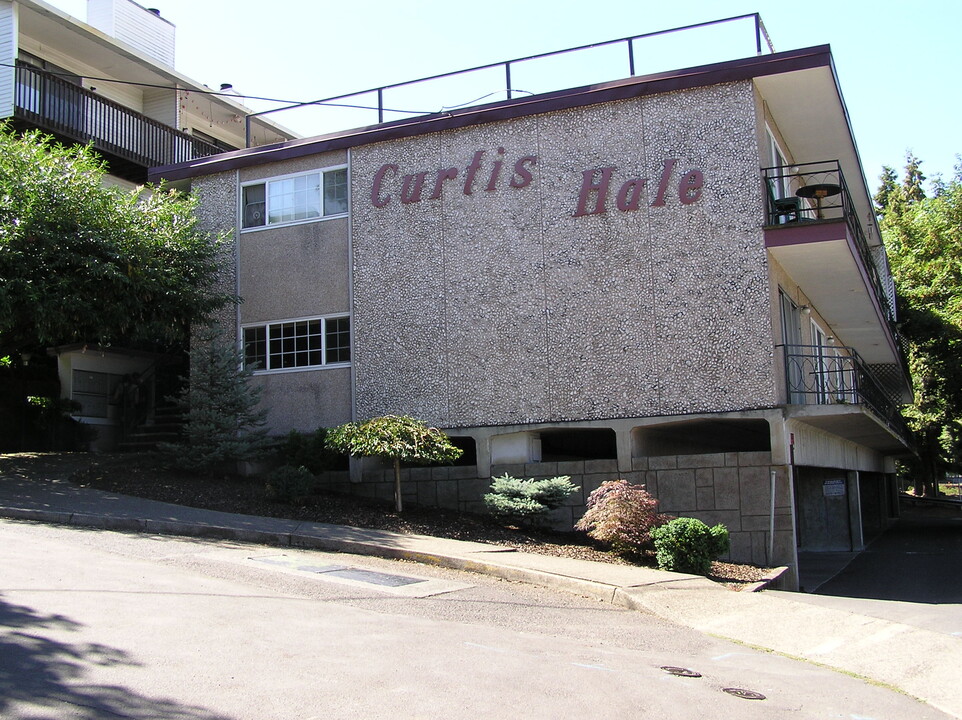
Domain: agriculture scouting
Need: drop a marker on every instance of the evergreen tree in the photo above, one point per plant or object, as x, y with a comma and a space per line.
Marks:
222, 421
914, 182
888, 190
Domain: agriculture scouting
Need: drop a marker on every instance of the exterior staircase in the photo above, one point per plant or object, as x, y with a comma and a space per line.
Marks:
166, 426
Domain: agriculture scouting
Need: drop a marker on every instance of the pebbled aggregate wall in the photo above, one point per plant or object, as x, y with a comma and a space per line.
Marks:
503, 307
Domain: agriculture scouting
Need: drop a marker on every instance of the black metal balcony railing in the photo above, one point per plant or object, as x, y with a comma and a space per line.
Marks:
838, 376
816, 192
60, 107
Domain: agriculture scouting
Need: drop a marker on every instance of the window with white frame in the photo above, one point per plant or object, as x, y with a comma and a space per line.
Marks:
293, 344
294, 198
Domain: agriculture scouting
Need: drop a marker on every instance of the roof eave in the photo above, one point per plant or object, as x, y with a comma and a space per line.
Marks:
701, 76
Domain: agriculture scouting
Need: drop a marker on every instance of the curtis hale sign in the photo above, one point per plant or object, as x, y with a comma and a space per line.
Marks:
594, 197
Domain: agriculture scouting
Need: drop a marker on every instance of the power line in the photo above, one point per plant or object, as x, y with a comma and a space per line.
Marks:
222, 93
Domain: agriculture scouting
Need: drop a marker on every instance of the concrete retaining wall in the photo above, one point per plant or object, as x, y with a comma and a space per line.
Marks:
729, 488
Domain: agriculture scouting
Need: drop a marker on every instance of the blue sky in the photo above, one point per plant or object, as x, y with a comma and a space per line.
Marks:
898, 62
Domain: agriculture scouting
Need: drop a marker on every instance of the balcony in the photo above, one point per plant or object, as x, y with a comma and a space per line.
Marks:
834, 389
131, 142
812, 229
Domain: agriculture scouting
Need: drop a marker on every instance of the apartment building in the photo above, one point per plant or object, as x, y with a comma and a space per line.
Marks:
671, 278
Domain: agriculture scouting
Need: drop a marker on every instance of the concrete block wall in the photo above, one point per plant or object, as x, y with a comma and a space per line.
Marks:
729, 488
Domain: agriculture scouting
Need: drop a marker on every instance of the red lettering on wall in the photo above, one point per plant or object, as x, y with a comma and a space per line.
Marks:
471, 170
592, 196
629, 197
446, 174
376, 198
663, 183
689, 189
411, 187
522, 176
588, 186
495, 171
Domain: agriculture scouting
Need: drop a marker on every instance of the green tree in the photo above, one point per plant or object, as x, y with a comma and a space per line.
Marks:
222, 421
396, 438
923, 236
888, 190
81, 261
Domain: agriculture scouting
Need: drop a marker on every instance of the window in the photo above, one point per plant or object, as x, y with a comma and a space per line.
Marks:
781, 186
94, 391
295, 198
293, 344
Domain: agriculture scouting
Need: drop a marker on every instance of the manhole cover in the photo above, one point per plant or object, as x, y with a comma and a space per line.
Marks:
680, 671
744, 694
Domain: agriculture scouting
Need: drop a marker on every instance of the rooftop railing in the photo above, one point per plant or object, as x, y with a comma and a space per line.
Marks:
815, 193
626, 58
55, 105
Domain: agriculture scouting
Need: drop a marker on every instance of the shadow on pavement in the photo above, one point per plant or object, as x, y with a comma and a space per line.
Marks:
917, 560
38, 673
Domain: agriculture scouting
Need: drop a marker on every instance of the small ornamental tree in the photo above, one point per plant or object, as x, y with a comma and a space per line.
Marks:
396, 438
622, 516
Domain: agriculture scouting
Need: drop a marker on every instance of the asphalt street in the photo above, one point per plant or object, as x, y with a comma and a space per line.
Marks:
99, 624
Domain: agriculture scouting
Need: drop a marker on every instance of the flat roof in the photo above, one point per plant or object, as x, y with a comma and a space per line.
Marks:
701, 76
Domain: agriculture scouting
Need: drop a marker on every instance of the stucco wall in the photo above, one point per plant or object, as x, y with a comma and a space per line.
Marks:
505, 305
296, 271
216, 214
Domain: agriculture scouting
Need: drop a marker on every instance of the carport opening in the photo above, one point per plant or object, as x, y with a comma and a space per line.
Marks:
702, 437
469, 449
578, 444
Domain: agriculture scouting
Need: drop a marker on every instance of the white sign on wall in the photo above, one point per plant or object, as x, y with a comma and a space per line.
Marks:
834, 487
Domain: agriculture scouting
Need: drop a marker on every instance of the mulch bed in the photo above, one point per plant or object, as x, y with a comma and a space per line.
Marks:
146, 475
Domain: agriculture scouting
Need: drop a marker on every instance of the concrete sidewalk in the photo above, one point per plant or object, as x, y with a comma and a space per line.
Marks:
920, 662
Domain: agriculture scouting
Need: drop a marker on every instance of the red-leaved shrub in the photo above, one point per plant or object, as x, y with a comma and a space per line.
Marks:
622, 515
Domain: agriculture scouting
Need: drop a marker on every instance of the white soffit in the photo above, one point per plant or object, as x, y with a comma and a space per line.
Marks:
810, 114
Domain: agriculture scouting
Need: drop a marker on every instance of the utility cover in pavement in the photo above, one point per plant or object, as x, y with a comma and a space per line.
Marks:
300, 564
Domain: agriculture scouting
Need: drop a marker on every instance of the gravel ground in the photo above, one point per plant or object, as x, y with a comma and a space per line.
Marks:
143, 475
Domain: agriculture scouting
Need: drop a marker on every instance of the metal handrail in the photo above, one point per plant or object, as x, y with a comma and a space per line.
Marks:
63, 108
785, 185
837, 375
761, 34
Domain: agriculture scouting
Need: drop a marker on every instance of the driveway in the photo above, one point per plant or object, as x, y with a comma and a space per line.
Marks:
911, 574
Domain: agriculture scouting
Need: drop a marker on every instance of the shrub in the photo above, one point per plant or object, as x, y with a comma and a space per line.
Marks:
689, 545
516, 499
309, 450
622, 516
291, 484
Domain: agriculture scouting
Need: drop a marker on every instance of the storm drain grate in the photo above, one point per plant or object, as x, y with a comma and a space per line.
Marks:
374, 578
345, 572
744, 694
680, 671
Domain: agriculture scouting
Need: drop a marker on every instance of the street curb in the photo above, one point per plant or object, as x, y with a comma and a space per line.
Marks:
769, 581
602, 591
